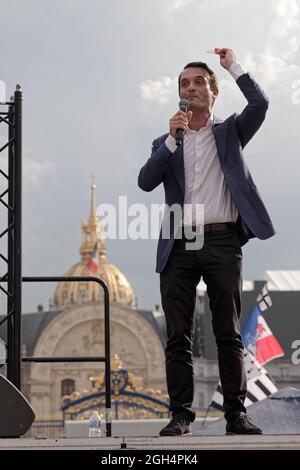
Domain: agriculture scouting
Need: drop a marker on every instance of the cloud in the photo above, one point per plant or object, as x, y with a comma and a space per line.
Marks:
274, 64
283, 38
271, 69
158, 91
33, 170
178, 4
284, 32
229, 98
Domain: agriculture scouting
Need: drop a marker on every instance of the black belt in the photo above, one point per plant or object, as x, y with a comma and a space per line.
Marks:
209, 228
222, 227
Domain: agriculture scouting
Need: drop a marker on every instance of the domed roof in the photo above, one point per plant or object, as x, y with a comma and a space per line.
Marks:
93, 263
120, 290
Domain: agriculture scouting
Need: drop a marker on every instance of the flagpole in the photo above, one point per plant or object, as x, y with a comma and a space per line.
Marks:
207, 411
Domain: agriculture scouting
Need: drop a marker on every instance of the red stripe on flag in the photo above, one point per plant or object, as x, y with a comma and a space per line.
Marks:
268, 349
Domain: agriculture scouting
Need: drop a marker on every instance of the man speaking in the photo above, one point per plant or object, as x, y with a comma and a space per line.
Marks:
207, 167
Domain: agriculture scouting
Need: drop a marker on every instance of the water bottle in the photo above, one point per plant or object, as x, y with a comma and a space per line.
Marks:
95, 425
103, 428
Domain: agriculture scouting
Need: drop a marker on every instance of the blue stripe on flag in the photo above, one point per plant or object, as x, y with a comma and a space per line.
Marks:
249, 329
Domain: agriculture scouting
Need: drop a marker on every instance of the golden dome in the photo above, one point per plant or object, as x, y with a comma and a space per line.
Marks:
120, 290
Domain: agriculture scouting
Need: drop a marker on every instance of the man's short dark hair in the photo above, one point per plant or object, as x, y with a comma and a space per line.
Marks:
213, 77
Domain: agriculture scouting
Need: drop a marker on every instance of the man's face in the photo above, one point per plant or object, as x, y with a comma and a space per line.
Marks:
195, 87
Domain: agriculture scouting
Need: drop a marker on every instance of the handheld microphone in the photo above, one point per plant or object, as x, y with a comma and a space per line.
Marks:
183, 106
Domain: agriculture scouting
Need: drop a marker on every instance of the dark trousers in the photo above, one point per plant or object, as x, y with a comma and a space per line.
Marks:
219, 262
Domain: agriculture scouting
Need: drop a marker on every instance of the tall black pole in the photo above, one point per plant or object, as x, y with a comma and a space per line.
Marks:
10, 243
18, 236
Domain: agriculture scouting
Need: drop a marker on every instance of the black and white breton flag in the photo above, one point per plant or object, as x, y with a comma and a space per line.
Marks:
259, 383
264, 300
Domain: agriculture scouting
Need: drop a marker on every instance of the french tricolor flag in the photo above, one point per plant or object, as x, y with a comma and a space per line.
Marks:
257, 336
267, 346
92, 263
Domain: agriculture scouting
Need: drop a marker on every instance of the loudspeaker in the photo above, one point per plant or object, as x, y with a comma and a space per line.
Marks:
16, 414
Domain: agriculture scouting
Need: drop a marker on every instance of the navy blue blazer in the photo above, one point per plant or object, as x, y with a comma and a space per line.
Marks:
231, 136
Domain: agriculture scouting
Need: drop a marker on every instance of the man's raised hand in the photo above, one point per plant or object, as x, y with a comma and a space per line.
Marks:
227, 56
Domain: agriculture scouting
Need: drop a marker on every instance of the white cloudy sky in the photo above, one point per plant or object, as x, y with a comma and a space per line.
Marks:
99, 81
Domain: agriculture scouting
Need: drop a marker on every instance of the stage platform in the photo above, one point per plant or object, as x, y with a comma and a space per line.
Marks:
278, 442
